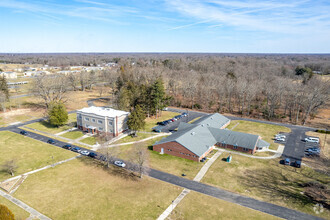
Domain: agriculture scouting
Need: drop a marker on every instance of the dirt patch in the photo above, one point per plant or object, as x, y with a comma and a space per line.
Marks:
7, 186
15, 112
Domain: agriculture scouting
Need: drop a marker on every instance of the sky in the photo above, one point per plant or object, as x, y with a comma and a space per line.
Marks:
196, 26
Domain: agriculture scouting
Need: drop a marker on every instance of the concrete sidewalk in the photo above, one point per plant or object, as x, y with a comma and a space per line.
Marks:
185, 192
24, 206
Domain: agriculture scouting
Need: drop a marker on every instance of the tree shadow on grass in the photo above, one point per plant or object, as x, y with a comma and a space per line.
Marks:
275, 185
112, 170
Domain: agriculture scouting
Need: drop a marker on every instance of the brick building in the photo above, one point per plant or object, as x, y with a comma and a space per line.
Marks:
194, 141
100, 119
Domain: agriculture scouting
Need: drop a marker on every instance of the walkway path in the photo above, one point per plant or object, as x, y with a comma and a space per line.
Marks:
24, 206
140, 141
277, 154
185, 192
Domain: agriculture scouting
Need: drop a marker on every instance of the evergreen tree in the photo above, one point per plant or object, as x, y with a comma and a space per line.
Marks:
158, 97
4, 86
57, 114
136, 119
5, 213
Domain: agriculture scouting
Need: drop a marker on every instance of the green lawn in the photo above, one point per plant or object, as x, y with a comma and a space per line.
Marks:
199, 206
81, 189
73, 134
267, 180
17, 211
152, 122
165, 162
129, 138
89, 140
28, 153
46, 127
266, 131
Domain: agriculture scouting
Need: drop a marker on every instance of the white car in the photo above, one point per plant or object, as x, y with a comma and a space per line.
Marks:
312, 140
279, 136
120, 163
280, 139
84, 152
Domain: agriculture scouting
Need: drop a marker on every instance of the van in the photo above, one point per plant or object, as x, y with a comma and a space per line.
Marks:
287, 161
312, 140
297, 163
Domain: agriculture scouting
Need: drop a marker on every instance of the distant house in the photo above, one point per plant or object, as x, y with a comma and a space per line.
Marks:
100, 119
89, 69
35, 73
194, 141
9, 75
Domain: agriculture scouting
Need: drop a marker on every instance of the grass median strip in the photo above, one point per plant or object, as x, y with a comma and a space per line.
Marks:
73, 134
16, 210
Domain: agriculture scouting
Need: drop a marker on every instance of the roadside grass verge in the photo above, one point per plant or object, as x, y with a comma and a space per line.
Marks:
164, 162
130, 138
16, 210
266, 131
46, 127
28, 153
152, 122
85, 189
89, 140
73, 134
199, 206
266, 180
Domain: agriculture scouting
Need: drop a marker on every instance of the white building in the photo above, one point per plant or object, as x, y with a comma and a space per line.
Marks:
9, 75
101, 119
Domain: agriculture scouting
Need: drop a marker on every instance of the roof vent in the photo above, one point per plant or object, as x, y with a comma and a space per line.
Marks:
208, 124
193, 133
202, 125
212, 118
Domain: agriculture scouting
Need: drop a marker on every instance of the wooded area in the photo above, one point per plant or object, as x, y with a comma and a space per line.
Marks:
267, 86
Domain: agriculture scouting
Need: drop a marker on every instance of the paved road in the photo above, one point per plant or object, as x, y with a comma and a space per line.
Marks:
193, 185
269, 208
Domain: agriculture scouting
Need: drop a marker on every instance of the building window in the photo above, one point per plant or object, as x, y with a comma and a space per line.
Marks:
245, 149
79, 116
235, 146
87, 125
223, 144
93, 119
169, 149
100, 129
86, 119
110, 130
110, 122
100, 121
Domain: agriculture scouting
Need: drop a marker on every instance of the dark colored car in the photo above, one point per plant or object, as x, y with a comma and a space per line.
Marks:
184, 114
297, 163
23, 132
92, 154
67, 146
76, 149
178, 116
287, 161
156, 130
51, 141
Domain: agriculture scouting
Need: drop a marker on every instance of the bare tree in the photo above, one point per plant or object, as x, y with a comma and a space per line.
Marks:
50, 88
3, 100
73, 81
10, 167
109, 153
140, 157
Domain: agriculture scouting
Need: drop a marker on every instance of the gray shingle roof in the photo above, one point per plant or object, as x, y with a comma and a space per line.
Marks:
215, 120
199, 136
235, 138
262, 143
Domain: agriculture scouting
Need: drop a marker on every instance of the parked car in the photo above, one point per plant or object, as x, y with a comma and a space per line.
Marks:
280, 136
314, 150
287, 161
51, 141
184, 114
92, 154
67, 146
297, 163
120, 163
280, 139
156, 130
178, 117
312, 140
23, 132
172, 120
76, 149
84, 152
